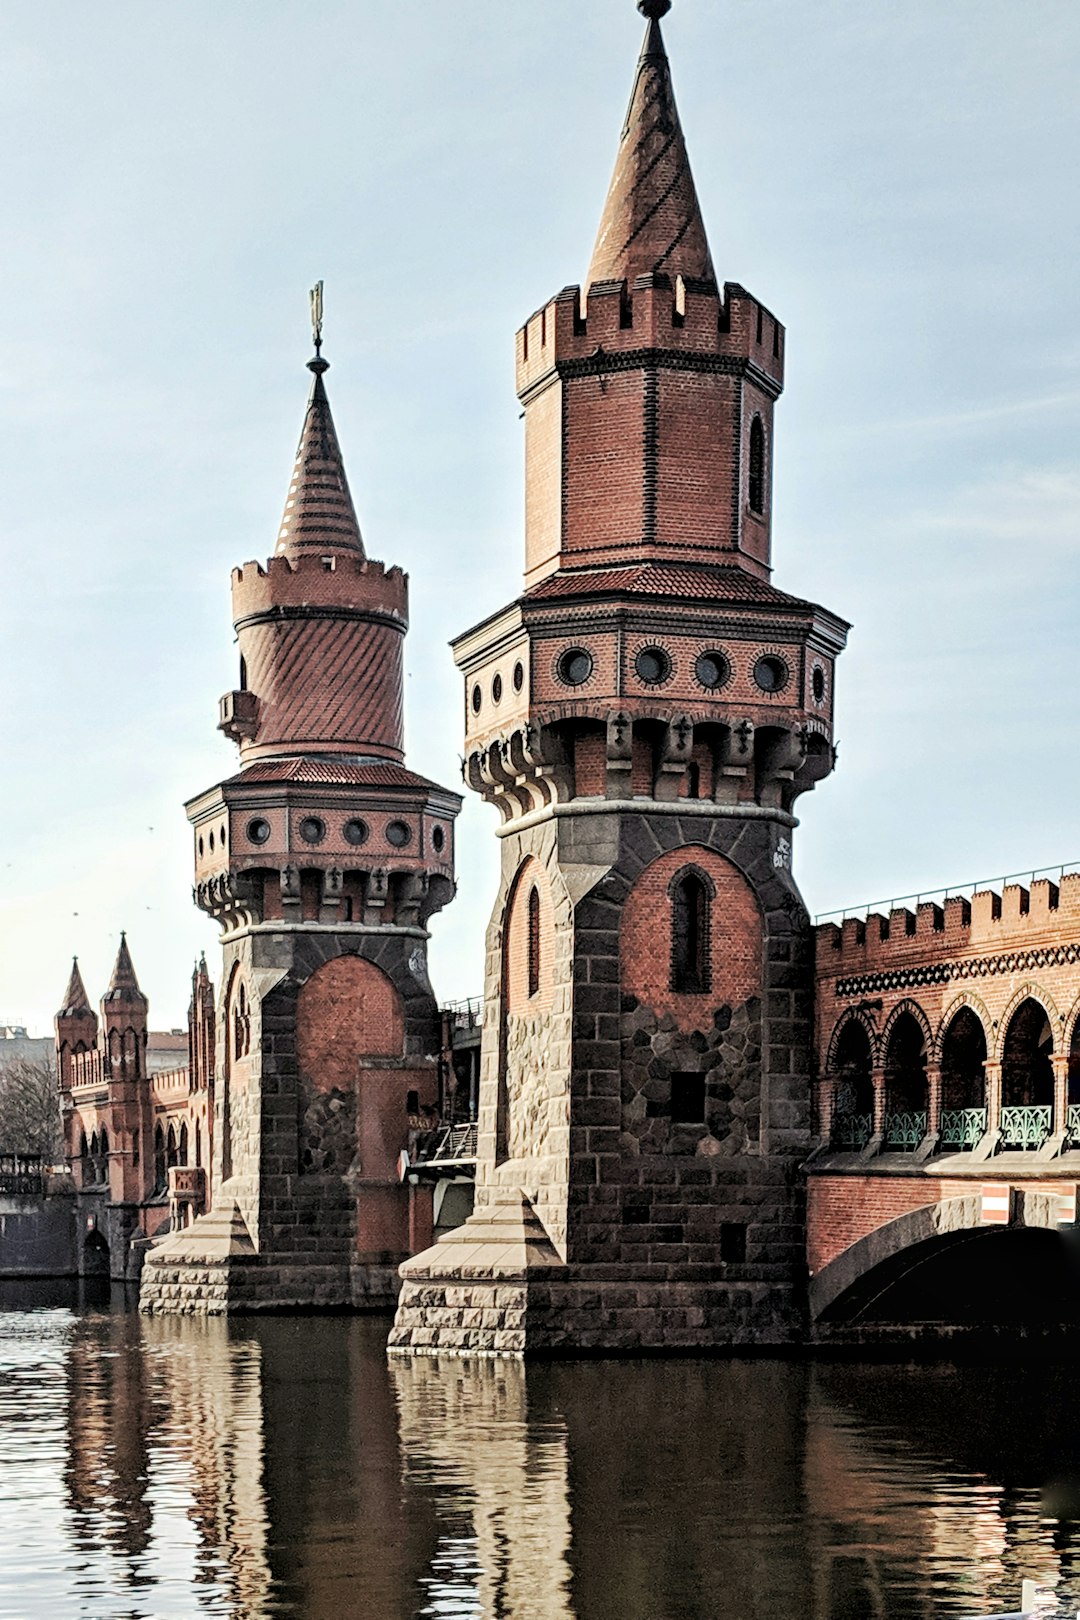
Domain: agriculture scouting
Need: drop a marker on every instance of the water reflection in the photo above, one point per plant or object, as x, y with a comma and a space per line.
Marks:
173, 1468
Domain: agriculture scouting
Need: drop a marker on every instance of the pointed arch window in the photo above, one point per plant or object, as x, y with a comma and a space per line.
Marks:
691, 932
534, 941
756, 489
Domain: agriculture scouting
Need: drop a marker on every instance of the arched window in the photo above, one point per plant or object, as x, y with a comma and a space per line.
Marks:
756, 490
1027, 1078
906, 1088
103, 1143
198, 1143
691, 932
534, 940
184, 1144
170, 1147
241, 1024
159, 1159
853, 1097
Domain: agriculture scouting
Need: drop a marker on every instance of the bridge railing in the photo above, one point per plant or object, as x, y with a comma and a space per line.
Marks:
21, 1174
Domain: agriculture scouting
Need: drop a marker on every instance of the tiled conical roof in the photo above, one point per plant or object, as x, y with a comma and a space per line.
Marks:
75, 998
319, 517
123, 986
652, 220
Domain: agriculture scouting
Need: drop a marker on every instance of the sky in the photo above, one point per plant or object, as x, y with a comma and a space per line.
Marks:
899, 183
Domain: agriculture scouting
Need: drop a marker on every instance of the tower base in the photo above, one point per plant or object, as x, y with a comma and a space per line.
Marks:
497, 1287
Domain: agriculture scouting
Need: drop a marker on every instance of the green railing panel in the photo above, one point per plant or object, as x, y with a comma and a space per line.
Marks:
904, 1131
851, 1131
1025, 1127
962, 1127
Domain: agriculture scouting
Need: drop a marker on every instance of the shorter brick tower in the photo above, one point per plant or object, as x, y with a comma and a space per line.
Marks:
644, 716
322, 861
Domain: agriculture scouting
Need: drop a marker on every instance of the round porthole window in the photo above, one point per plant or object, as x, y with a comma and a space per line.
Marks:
817, 684
496, 689
356, 831
211, 843
221, 835
438, 839
575, 666
712, 670
258, 831
398, 833
771, 673
477, 699
519, 677
202, 846
653, 665
312, 830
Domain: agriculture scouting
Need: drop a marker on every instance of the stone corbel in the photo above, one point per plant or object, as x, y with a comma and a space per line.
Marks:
675, 754
411, 898
620, 756
736, 759
333, 888
779, 762
376, 895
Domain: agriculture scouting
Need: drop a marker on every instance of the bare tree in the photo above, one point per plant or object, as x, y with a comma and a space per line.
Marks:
30, 1109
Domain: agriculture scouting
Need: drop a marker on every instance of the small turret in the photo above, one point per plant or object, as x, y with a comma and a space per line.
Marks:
124, 1011
76, 1027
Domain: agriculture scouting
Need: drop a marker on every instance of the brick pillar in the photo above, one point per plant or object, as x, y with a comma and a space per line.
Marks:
826, 1103
992, 1072
933, 1105
878, 1077
1060, 1061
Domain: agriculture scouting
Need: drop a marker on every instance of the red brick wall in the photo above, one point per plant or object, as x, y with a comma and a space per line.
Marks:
590, 764
347, 1009
603, 495
645, 939
530, 875
843, 1209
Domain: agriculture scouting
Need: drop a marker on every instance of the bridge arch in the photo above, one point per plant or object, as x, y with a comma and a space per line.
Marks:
884, 1256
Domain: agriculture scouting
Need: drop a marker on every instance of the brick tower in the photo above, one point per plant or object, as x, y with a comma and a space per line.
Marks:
644, 716
322, 861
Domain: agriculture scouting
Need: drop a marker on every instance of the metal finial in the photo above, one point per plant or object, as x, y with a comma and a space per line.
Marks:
316, 314
654, 9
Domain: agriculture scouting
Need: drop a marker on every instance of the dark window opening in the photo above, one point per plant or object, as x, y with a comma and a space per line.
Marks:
534, 941
688, 1099
575, 666
243, 675
519, 677
690, 934
733, 1242
693, 781
757, 466
412, 1102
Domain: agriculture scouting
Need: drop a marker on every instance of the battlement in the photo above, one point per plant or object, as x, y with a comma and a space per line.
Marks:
987, 919
334, 581
652, 312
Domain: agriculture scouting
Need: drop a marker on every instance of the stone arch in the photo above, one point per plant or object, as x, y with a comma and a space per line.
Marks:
852, 1015
964, 1042
1027, 1074
914, 1231
976, 1005
907, 1006
905, 1052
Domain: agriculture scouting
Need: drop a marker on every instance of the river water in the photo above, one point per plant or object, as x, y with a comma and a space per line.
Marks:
283, 1468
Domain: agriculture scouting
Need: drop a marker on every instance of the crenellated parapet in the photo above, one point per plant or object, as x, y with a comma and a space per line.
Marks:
343, 582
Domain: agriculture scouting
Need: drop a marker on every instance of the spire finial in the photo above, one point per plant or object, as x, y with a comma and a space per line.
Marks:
654, 9
318, 365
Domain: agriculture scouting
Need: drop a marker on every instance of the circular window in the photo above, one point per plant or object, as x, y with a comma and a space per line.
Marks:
771, 673
653, 665
817, 684
221, 835
712, 670
312, 830
519, 677
211, 843
496, 689
575, 666
356, 831
438, 838
202, 846
258, 831
477, 699
398, 834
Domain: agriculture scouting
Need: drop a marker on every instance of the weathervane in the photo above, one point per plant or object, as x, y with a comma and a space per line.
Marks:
654, 9
316, 316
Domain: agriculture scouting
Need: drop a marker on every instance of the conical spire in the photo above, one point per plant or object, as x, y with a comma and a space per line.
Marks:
123, 986
319, 517
75, 998
652, 220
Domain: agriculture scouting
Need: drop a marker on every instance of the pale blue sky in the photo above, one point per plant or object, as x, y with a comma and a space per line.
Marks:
899, 182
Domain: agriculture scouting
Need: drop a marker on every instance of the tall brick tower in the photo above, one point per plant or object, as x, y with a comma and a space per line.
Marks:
322, 860
644, 716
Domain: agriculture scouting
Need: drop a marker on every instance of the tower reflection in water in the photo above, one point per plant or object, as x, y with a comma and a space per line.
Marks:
279, 1468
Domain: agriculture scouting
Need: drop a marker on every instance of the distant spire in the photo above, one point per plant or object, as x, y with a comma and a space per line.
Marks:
319, 515
652, 219
75, 998
123, 986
